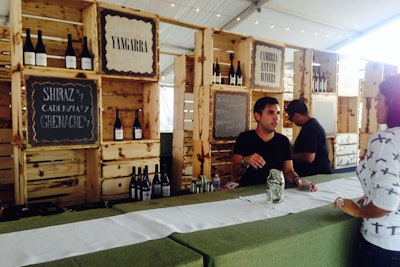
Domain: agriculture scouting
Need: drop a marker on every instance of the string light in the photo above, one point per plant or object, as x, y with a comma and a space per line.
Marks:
257, 21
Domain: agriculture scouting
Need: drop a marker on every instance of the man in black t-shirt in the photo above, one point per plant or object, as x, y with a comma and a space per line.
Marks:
258, 151
311, 154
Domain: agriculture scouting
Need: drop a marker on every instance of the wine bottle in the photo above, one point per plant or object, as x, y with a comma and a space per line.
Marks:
323, 83
118, 129
320, 83
29, 50
86, 57
40, 52
314, 82
232, 74
217, 73
146, 186
165, 183
138, 190
70, 58
214, 73
132, 185
156, 186
137, 128
239, 76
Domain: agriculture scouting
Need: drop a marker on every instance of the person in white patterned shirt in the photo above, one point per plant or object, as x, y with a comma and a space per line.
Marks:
379, 175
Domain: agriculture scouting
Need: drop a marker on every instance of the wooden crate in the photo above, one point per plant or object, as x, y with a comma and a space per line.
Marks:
57, 19
348, 110
60, 176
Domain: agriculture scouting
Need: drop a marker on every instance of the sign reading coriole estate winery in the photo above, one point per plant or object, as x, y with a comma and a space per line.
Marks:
61, 111
128, 44
268, 66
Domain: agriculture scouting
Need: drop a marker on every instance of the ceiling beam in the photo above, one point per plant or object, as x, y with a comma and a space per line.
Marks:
256, 5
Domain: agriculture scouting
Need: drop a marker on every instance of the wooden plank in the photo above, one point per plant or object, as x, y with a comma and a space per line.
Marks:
130, 150
33, 156
6, 150
6, 136
124, 168
348, 114
116, 186
60, 186
7, 176
45, 170
6, 163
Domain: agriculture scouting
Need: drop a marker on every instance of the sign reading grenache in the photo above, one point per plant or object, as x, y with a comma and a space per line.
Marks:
61, 111
268, 66
128, 44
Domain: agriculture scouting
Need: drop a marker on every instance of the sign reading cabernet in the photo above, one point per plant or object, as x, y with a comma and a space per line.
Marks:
129, 44
61, 111
268, 66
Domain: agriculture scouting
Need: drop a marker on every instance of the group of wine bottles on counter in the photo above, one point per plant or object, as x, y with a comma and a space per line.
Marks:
38, 57
141, 189
119, 130
234, 77
319, 82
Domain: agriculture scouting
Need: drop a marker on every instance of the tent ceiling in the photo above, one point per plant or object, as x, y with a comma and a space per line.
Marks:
319, 24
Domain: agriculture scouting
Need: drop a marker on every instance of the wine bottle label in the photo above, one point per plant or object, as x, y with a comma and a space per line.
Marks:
157, 189
218, 79
86, 63
239, 80
41, 59
119, 134
232, 79
146, 195
166, 191
138, 134
70, 62
29, 58
133, 192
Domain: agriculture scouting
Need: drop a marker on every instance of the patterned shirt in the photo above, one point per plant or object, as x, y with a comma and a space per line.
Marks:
379, 175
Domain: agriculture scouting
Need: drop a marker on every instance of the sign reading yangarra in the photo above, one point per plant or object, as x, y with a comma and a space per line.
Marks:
268, 66
128, 44
61, 111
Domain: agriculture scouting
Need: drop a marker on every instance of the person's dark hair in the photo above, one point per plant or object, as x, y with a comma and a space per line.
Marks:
297, 106
262, 102
390, 88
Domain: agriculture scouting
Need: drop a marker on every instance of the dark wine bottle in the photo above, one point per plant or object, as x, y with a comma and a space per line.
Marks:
239, 76
132, 185
29, 50
314, 82
146, 186
86, 57
165, 183
214, 73
118, 129
70, 57
218, 76
40, 52
136, 127
323, 83
139, 185
156, 186
232, 74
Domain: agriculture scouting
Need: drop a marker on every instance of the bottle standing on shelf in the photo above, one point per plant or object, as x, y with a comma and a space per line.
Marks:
40, 52
216, 182
314, 82
86, 57
138, 191
323, 83
239, 76
132, 185
70, 57
165, 184
218, 76
146, 186
214, 73
29, 50
316, 88
156, 187
137, 128
118, 129
232, 74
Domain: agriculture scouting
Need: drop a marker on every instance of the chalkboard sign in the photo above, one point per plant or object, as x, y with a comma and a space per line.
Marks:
230, 114
61, 111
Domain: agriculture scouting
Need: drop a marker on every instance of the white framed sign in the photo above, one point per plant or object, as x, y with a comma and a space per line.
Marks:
128, 44
267, 69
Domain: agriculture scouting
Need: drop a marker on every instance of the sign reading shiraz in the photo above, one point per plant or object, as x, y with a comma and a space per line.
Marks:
61, 111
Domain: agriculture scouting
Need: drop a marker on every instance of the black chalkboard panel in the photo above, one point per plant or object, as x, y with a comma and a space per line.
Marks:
230, 114
61, 111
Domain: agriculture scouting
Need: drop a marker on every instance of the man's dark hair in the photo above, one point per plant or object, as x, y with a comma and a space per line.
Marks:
296, 106
264, 101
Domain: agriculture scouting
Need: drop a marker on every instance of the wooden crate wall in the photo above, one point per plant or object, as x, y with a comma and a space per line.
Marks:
221, 161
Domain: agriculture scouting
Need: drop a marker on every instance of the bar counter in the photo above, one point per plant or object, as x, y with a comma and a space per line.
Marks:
322, 236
